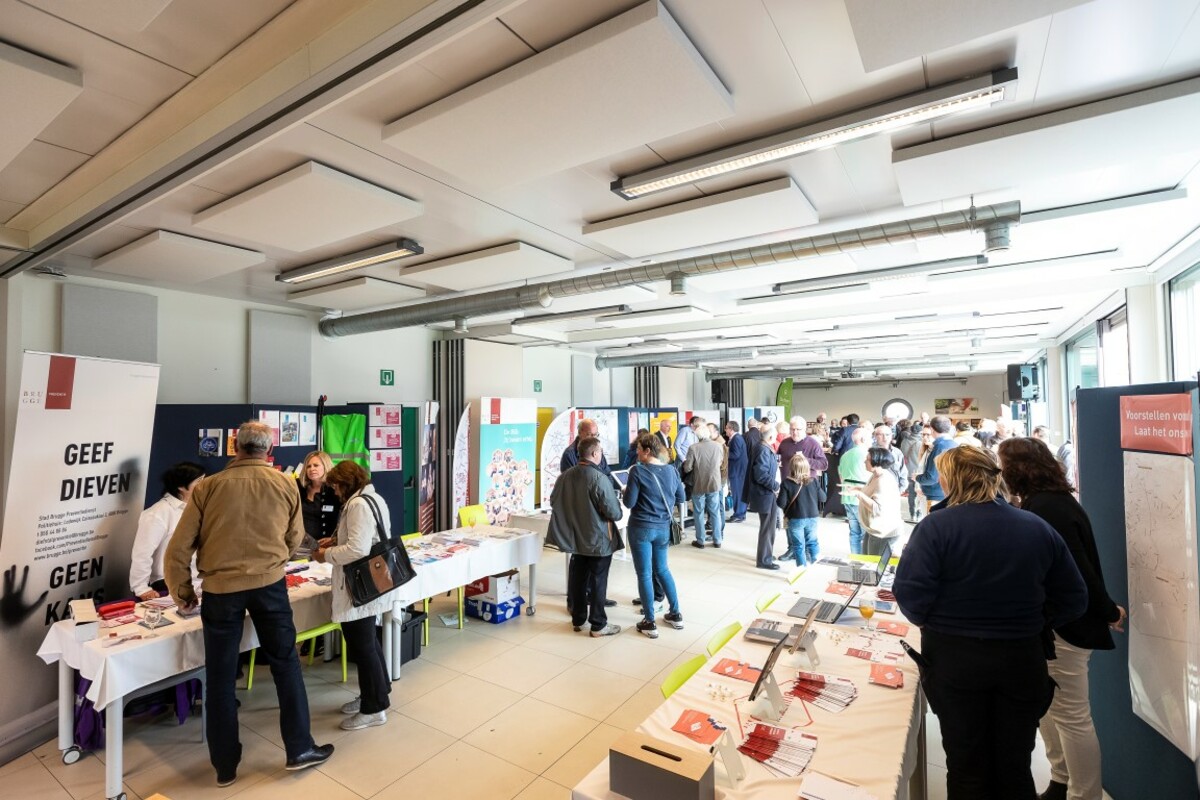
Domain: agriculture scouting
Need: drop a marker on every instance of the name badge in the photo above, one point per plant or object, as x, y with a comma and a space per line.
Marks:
326, 509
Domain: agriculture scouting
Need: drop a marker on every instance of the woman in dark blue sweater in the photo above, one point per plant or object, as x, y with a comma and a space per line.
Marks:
982, 579
1032, 472
653, 492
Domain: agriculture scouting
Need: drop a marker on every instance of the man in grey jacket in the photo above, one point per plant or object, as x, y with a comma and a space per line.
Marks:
585, 506
703, 463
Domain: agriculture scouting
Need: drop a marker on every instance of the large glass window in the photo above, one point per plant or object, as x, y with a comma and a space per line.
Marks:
1083, 361
1114, 349
1185, 324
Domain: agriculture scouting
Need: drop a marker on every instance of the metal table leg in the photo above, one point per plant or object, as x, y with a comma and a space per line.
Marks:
114, 734
66, 713
391, 654
531, 609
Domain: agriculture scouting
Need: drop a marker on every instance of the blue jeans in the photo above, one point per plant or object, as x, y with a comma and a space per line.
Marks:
649, 549
224, 616
802, 540
703, 505
856, 531
912, 499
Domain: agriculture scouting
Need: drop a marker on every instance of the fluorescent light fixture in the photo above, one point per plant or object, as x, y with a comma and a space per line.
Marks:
1015, 267
925, 106
583, 313
654, 315
876, 275
364, 258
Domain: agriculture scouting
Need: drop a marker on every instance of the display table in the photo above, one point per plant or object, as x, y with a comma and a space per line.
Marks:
876, 742
175, 652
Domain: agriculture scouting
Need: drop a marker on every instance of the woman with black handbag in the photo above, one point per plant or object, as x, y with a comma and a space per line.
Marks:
363, 521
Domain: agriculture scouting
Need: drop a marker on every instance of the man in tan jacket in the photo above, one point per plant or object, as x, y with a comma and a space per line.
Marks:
242, 524
703, 462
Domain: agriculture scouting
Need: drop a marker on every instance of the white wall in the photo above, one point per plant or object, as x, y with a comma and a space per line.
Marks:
867, 399
552, 367
493, 370
347, 369
621, 386
675, 388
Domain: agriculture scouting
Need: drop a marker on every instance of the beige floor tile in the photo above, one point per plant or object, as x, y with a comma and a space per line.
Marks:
531, 734
84, 777
190, 774
460, 771
636, 657
583, 757
465, 652
366, 761
634, 711
675, 662
324, 702
157, 740
33, 783
460, 706
542, 789
521, 669
589, 690
518, 630
284, 785
102, 794
566, 643
935, 783
419, 678
17, 764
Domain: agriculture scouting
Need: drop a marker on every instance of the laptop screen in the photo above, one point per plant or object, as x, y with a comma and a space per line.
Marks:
622, 476
884, 558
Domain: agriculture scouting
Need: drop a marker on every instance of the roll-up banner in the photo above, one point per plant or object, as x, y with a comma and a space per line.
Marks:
76, 486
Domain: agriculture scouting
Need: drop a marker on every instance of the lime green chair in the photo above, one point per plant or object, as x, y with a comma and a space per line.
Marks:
680, 674
765, 601
304, 636
797, 575
722, 637
470, 516
425, 626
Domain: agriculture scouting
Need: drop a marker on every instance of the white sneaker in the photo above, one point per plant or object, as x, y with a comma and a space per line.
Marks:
360, 721
353, 706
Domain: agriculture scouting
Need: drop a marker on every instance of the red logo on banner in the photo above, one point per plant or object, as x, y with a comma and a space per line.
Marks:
1161, 423
60, 383
495, 411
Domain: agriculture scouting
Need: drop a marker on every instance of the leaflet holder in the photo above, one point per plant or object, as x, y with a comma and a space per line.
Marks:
726, 750
769, 704
808, 646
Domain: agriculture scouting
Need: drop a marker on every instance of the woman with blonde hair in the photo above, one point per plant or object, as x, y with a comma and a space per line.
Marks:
319, 504
983, 579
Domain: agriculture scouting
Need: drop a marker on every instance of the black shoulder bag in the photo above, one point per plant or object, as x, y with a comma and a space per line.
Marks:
676, 526
385, 568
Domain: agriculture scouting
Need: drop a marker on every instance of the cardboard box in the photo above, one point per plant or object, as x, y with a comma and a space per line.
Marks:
495, 613
496, 588
641, 767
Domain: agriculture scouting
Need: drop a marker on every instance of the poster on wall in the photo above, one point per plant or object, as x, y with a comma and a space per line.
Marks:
427, 467
82, 441
461, 475
559, 434
955, 406
271, 418
507, 452
308, 430
773, 414
608, 421
1164, 617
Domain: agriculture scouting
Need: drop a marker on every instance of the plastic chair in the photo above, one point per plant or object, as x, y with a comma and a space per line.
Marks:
797, 575
680, 674
304, 636
470, 516
765, 601
722, 637
424, 625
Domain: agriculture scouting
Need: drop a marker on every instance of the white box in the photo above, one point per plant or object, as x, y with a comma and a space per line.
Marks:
383, 416
87, 620
386, 461
497, 588
384, 438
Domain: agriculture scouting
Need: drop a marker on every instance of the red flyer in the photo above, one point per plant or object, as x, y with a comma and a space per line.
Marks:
887, 675
894, 628
737, 669
698, 726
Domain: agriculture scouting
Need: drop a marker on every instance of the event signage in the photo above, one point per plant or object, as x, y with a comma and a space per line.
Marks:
75, 491
507, 456
1159, 423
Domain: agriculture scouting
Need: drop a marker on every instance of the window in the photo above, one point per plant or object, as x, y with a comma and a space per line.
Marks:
1114, 348
1083, 361
897, 409
1184, 293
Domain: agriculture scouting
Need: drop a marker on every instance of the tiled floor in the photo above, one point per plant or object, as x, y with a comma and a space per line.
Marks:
519, 710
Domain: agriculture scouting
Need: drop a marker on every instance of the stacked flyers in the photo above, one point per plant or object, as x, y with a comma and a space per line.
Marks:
784, 750
826, 692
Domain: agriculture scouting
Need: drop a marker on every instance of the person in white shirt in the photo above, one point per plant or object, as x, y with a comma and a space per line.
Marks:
155, 526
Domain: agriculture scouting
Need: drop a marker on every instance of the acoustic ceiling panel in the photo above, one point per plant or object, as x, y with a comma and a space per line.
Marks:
1124, 145
888, 33
307, 207
356, 293
33, 91
515, 261
776, 205
166, 256
629, 81
132, 15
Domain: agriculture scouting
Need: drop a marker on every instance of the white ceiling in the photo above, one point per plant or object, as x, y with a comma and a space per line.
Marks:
503, 138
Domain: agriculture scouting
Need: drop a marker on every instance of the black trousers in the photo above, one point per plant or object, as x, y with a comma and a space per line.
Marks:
766, 536
364, 648
223, 616
587, 588
988, 695
660, 593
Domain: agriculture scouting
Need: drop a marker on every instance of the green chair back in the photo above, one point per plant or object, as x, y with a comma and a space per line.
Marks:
469, 516
765, 601
722, 637
797, 575
408, 536
680, 674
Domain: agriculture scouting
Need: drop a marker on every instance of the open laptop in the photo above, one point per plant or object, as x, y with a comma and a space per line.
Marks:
827, 610
870, 576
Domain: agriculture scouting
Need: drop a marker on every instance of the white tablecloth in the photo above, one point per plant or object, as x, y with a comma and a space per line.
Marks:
119, 670
873, 742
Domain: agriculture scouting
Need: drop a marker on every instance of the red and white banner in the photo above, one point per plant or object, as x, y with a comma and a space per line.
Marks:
1160, 423
76, 486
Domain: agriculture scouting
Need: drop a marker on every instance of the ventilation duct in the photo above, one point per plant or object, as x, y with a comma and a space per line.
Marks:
541, 295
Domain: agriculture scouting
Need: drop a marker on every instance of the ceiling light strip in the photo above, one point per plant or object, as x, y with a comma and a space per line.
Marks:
404, 248
925, 106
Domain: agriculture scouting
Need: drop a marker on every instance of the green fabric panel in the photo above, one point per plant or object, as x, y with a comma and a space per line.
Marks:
344, 437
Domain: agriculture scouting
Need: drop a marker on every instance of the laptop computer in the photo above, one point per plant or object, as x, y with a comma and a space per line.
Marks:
858, 573
827, 610
771, 631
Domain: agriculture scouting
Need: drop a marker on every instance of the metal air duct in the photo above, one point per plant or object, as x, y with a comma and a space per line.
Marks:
540, 295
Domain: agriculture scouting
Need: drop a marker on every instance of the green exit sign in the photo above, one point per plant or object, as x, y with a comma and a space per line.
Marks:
387, 377
537, 386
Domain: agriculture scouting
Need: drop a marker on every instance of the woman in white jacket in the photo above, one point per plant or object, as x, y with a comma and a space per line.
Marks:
357, 531
879, 503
